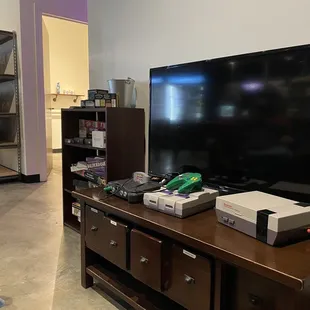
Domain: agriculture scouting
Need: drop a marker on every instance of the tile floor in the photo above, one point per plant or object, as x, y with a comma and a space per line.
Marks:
39, 259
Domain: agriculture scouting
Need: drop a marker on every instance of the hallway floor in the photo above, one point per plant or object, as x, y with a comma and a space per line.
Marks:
39, 259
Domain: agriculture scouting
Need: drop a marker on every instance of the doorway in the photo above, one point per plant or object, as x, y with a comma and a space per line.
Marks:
66, 75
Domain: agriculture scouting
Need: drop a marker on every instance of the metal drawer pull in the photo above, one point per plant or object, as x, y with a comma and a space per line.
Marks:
113, 243
188, 279
94, 228
144, 260
254, 300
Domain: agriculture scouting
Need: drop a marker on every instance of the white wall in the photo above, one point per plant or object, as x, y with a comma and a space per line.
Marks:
127, 38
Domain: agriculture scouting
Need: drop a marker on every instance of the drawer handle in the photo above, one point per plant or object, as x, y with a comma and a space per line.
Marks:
113, 243
254, 300
144, 260
94, 228
188, 279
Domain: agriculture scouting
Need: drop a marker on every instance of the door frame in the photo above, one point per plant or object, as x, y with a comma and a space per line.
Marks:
40, 96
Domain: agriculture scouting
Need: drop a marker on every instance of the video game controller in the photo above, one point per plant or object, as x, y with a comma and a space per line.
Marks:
186, 183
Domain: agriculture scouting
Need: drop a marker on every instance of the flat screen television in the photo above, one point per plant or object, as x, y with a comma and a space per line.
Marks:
242, 121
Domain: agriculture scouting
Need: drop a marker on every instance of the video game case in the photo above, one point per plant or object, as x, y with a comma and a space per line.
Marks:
89, 175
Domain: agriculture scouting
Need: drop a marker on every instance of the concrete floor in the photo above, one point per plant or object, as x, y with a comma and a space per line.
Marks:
39, 259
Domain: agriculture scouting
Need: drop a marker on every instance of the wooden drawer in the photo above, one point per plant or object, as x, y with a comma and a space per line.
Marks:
253, 292
107, 237
190, 283
115, 243
95, 232
147, 259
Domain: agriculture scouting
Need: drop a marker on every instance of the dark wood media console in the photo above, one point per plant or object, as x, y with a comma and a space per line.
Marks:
155, 261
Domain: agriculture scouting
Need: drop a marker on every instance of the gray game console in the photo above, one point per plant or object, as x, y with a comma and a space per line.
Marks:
268, 218
180, 205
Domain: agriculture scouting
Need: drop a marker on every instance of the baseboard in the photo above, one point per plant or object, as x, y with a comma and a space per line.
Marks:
57, 150
34, 178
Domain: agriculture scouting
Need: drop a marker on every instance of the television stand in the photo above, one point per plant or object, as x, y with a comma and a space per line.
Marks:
151, 260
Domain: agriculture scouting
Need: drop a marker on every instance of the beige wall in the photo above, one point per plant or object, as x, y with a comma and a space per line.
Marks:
67, 51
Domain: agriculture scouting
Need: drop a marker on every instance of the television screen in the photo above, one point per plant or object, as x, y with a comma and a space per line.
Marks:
241, 121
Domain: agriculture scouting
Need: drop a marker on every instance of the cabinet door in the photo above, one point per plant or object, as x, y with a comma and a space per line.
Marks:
190, 279
146, 259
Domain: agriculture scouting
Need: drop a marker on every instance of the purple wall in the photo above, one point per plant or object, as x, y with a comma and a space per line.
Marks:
33, 105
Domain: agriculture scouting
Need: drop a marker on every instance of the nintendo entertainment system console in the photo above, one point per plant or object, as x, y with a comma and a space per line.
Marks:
268, 218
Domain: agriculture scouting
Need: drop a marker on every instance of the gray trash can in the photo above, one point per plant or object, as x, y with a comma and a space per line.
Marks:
126, 91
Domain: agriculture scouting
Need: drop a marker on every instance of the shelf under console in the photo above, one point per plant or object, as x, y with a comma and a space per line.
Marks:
128, 289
